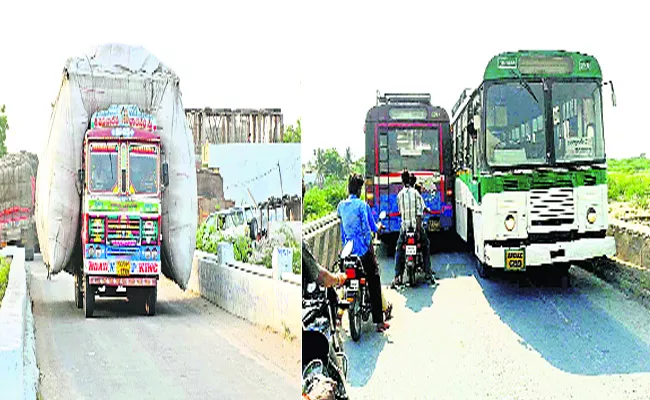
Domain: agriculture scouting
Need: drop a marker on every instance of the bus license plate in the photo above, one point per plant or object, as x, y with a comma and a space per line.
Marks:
515, 260
123, 268
354, 285
411, 250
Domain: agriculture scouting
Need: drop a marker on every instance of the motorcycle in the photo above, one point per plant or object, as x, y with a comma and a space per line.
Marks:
321, 342
413, 255
355, 290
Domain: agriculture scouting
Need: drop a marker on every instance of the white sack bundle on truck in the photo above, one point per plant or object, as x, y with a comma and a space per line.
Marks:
98, 83
17, 185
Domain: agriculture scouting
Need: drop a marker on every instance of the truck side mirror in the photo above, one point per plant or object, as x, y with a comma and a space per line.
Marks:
165, 174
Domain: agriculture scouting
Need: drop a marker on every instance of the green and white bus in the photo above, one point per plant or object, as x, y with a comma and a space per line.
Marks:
529, 158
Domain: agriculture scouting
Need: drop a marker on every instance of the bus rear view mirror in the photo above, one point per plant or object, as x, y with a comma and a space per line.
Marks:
611, 84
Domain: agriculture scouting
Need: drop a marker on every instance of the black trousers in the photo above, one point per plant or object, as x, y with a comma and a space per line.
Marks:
371, 268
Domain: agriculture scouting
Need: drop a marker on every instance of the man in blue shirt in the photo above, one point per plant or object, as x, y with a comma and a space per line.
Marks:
358, 225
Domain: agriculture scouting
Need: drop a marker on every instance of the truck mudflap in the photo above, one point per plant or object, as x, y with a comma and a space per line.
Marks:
123, 281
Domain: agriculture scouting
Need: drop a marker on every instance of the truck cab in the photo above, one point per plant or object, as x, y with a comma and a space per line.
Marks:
122, 179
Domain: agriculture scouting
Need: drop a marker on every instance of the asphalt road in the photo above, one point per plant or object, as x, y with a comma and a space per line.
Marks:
509, 337
189, 350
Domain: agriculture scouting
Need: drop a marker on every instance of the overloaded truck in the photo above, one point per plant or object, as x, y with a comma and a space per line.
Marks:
17, 186
116, 203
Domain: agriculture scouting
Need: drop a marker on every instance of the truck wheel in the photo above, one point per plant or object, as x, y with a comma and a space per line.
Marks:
150, 298
78, 291
29, 253
89, 298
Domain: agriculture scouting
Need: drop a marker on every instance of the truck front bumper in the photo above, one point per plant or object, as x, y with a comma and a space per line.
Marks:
539, 254
123, 281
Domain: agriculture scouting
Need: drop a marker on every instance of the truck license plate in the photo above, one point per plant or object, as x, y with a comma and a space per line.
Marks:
515, 260
123, 268
411, 250
354, 285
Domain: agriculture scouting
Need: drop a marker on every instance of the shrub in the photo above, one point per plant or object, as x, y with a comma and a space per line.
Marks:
4, 276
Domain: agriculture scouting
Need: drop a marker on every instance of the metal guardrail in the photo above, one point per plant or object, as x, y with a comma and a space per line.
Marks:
324, 239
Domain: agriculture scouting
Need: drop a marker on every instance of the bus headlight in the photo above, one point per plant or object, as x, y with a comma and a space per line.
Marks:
510, 223
591, 215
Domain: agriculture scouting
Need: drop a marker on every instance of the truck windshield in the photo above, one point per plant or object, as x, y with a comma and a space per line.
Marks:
103, 168
143, 169
515, 124
577, 121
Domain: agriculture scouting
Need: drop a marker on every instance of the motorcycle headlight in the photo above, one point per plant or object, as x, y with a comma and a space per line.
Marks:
591, 215
510, 223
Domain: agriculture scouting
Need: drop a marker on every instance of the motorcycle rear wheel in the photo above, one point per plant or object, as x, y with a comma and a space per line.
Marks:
354, 314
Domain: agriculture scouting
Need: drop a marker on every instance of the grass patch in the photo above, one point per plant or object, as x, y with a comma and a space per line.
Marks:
4, 276
628, 180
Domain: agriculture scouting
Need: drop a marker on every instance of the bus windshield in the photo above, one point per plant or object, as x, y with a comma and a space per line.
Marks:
414, 148
103, 170
515, 133
577, 121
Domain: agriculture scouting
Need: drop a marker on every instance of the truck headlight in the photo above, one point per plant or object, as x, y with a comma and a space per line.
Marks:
154, 253
510, 223
91, 251
147, 254
591, 215
98, 252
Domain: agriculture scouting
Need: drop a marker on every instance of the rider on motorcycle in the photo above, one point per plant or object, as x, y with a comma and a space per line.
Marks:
358, 225
411, 207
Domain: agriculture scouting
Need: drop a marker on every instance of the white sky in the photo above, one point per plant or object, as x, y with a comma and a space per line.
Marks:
443, 47
322, 63
225, 56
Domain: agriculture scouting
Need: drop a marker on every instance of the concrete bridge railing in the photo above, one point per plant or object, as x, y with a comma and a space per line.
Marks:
324, 238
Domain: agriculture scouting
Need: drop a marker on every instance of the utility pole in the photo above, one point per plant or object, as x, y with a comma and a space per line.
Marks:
281, 191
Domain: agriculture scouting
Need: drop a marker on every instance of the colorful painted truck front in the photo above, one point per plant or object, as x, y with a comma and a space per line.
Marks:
123, 179
529, 156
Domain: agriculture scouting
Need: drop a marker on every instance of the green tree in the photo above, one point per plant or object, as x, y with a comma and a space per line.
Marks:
4, 126
293, 134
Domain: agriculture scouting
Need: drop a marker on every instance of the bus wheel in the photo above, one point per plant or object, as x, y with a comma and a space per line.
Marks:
89, 298
484, 270
562, 273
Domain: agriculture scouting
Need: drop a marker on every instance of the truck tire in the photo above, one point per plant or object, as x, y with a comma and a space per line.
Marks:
150, 298
78, 291
29, 253
89, 298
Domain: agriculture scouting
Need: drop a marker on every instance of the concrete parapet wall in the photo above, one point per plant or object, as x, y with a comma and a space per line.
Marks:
262, 296
324, 238
632, 242
18, 371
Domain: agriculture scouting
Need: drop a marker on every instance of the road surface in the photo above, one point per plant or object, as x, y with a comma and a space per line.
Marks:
189, 350
510, 337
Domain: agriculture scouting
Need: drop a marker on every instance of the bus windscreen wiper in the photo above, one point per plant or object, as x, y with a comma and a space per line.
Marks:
525, 85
